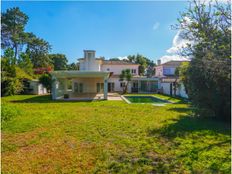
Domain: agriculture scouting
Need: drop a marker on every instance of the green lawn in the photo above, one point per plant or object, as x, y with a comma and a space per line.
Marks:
43, 136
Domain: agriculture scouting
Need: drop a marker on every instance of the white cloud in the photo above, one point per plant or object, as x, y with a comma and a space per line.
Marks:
178, 43
123, 57
156, 26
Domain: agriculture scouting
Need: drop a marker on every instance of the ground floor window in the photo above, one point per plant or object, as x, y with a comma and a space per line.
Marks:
122, 84
78, 87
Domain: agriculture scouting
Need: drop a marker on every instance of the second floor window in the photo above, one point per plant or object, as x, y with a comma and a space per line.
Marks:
133, 71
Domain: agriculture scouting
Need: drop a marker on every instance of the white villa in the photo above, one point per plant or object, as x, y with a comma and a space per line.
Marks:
97, 77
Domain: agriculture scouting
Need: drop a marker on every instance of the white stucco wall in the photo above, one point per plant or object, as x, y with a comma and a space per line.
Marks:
117, 69
181, 91
90, 64
165, 87
37, 88
89, 84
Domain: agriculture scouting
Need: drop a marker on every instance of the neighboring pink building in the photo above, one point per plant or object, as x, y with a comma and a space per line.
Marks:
166, 73
167, 69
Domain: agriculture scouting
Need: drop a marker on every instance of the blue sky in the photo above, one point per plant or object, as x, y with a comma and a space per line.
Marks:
113, 29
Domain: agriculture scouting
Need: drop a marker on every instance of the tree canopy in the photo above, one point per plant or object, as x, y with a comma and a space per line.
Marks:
208, 76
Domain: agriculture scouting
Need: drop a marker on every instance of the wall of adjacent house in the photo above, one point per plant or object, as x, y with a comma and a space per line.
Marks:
165, 88
117, 69
179, 92
37, 88
182, 91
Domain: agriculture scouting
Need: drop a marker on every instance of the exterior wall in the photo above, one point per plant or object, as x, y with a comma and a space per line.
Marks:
90, 64
179, 92
37, 88
117, 85
117, 69
159, 71
165, 88
89, 84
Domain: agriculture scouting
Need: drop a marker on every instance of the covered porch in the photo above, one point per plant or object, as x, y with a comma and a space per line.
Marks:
79, 85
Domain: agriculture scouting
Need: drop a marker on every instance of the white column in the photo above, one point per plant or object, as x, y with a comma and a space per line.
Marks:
105, 87
54, 84
65, 86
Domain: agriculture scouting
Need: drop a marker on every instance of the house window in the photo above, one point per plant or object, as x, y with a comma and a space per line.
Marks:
108, 69
89, 55
122, 84
69, 85
133, 71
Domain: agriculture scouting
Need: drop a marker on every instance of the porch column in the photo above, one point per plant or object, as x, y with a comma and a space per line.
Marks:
105, 87
65, 86
54, 84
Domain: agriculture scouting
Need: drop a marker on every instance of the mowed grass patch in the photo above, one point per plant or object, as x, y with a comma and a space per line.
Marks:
110, 137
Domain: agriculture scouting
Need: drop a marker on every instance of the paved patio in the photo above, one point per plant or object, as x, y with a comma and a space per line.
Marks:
92, 96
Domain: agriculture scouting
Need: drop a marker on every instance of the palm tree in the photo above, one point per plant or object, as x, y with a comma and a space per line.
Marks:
125, 76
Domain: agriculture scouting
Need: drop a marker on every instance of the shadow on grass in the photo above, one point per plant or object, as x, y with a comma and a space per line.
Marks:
182, 110
189, 124
46, 99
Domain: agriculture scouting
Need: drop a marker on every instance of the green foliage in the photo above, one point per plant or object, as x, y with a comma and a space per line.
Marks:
143, 62
59, 61
73, 66
114, 59
208, 76
46, 80
111, 137
11, 75
25, 63
12, 29
38, 50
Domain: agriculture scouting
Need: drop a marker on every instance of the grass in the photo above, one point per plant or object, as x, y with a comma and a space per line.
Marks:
44, 136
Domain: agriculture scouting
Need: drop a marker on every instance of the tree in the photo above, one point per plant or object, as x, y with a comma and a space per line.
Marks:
59, 61
182, 73
114, 59
142, 61
38, 50
11, 75
25, 63
73, 66
209, 73
125, 76
46, 81
12, 30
